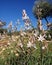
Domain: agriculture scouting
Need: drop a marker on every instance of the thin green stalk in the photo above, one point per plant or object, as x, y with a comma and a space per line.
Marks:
41, 55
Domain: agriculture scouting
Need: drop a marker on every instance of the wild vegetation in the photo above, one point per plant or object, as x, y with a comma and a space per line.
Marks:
32, 46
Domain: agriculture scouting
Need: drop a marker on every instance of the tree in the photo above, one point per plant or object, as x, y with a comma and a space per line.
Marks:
1, 26
2, 23
2, 30
46, 9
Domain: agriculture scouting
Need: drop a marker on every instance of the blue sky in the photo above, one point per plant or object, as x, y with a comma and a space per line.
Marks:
11, 10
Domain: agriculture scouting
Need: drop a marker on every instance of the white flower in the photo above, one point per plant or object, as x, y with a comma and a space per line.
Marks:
13, 38
24, 15
27, 24
16, 37
8, 43
41, 27
11, 51
43, 47
20, 44
24, 33
41, 38
29, 44
49, 36
3, 49
17, 54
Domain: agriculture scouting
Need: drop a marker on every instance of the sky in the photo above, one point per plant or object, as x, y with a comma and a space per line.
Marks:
11, 10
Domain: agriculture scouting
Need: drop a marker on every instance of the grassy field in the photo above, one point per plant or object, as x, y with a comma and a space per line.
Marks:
16, 52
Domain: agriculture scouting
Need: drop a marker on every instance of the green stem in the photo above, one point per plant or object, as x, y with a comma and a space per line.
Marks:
41, 55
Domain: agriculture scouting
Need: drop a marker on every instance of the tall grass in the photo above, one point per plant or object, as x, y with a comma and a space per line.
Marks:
15, 55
